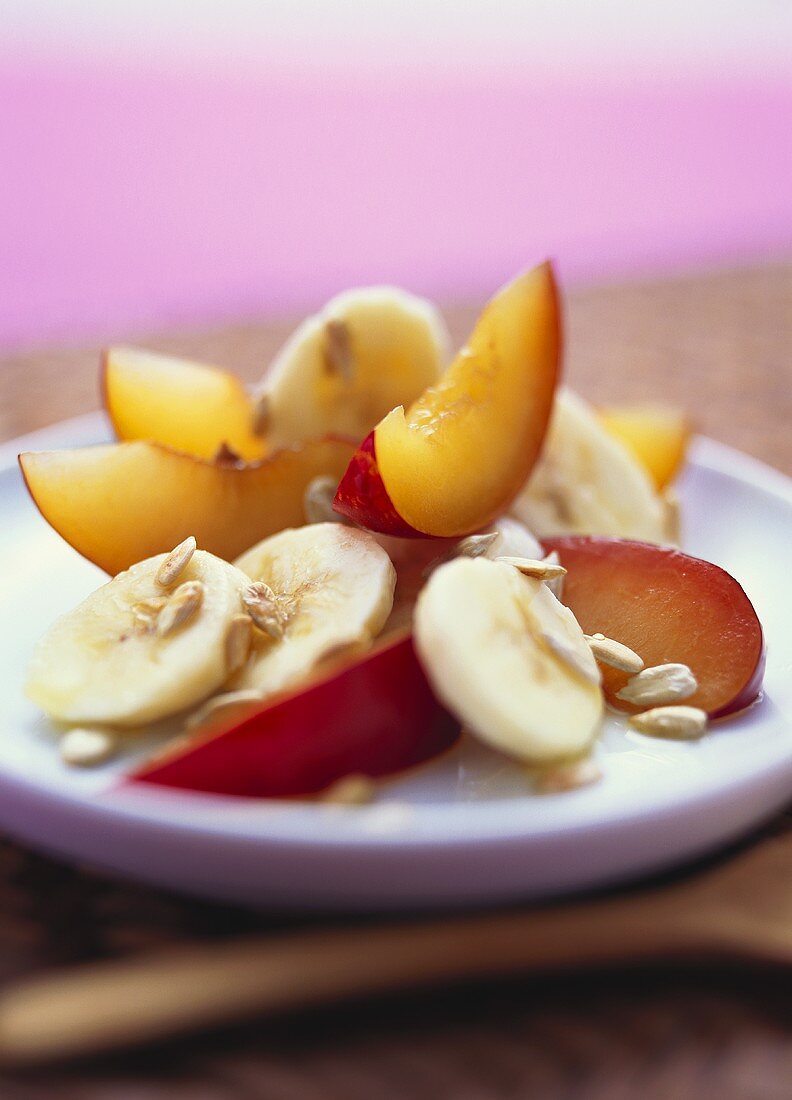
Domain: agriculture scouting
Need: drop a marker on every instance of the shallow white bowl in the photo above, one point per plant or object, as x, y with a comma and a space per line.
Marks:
463, 830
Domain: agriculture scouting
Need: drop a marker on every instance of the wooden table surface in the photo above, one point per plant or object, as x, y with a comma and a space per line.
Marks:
721, 344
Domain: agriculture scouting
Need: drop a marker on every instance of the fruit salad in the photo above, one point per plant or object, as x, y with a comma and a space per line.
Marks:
331, 577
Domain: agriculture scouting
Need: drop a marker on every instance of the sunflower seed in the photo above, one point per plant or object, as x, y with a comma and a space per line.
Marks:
84, 748
475, 546
351, 790
182, 605
144, 614
143, 624
261, 415
318, 501
237, 642
568, 777
680, 723
672, 518
609, 652
338, 356
262, 606
530, 567
658, 685
176, 562
225, 701
151, 606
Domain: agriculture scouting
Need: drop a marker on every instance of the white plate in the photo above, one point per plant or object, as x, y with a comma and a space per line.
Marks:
462, 830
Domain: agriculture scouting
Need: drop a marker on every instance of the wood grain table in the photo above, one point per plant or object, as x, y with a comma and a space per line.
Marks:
721, 344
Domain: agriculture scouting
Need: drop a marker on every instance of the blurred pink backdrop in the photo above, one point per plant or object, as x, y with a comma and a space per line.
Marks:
134, 199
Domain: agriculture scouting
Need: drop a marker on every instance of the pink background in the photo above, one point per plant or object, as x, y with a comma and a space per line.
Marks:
133, 199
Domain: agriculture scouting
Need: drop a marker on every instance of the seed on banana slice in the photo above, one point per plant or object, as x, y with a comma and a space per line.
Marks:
128, 655
508, 660
505, 537
328, 587
588, 483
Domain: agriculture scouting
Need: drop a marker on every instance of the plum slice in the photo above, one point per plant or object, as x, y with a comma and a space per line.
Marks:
375, 716
667, 606
453, 461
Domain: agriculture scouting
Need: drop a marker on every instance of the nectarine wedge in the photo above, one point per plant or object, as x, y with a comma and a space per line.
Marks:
657, 435
455, 459
668, 607
373, 717
188, 406
122, 502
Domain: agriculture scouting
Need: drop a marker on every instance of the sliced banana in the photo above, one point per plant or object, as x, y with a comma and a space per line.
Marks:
416, 558
588, 483
332, 589
122, 658
343, 369
514, 540
508, 660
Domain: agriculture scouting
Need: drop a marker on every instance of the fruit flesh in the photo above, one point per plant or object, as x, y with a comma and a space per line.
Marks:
588, 483
94, 666
335, 585
362, 496
492, 641
667, 607
414, 560
454, 460
394, 345
177, 403
374, 717
120, 503
658, 436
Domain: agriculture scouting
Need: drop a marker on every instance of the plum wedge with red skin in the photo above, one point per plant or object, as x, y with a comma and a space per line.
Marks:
453, 460
362, 497
375, 717
668, 607
119, 503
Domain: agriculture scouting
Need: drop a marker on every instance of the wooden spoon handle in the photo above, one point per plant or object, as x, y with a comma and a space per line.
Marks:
116, 1004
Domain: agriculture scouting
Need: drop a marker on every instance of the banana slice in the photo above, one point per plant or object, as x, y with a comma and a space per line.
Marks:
138, 650
323, 588
587, 483
416, 558
508, 660
514, 540
343, 369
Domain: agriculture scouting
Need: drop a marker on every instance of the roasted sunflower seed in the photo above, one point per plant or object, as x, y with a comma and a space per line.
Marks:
658, 685
679, 723
609, 652
182, 605
176, 562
